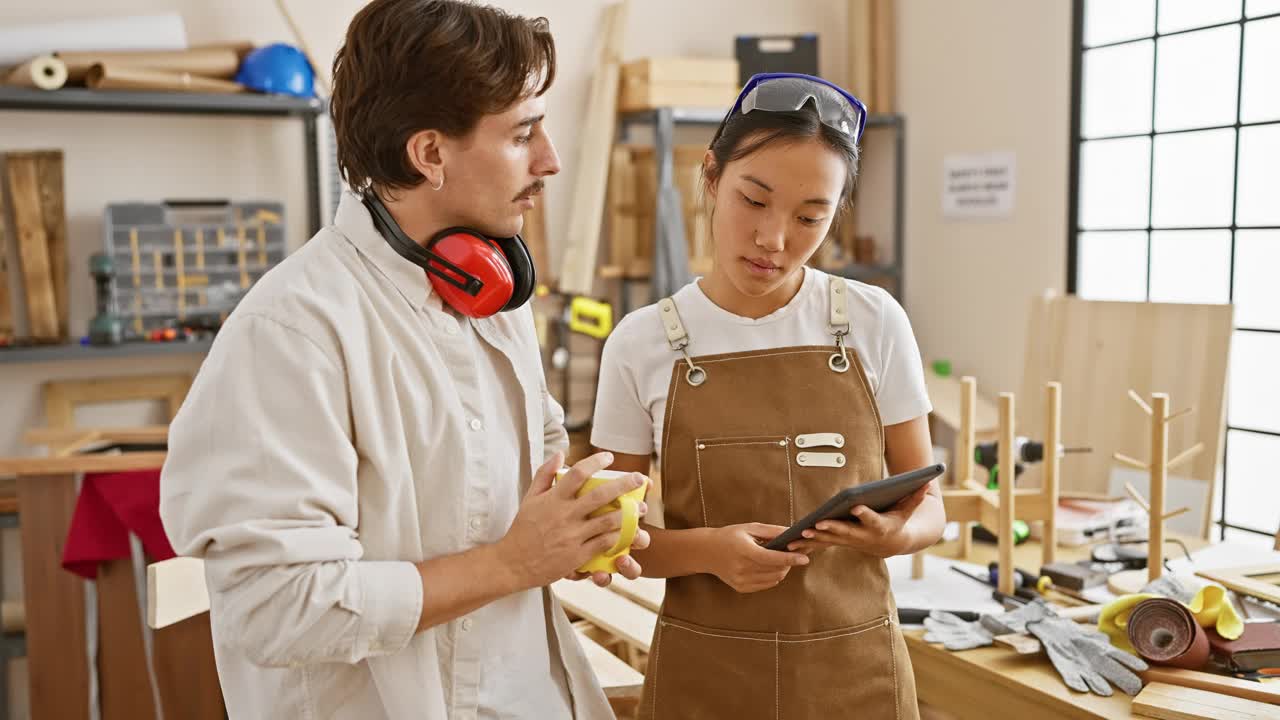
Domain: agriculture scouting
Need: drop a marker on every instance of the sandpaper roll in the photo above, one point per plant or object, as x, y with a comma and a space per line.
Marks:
1163, 631
44, 72
114, 77
215, 62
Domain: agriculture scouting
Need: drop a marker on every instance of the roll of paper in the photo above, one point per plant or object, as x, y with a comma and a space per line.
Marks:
20, 43
214, 62
44, 72
113, 77
1164, 632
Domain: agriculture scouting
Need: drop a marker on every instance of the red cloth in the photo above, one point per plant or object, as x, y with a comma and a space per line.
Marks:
110, 506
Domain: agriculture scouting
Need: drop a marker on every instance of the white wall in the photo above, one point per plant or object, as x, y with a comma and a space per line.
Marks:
979, 76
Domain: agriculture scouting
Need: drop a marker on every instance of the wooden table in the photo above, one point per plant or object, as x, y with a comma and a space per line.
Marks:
995, 684
55, 600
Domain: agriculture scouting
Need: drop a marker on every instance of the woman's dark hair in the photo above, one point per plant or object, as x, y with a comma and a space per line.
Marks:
412, 65
741, 134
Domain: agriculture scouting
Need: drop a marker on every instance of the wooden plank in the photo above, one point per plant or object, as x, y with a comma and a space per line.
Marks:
57, 674
534, 235
6, 303
860, 51
54, 214
186, 673
586, 209
176, 591
122, 660
59, 436
39, 466
885, 54
617, 678
1261, 692
628, 621
1101, 350
1170, 702
33, 246
1245, 580
647, 592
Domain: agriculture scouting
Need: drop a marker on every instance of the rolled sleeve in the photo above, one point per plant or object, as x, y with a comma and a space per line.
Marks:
260, 482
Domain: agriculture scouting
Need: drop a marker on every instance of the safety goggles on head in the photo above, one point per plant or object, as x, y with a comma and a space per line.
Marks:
788, 92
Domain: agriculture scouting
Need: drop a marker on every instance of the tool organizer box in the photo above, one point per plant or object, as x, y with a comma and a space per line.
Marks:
183, 263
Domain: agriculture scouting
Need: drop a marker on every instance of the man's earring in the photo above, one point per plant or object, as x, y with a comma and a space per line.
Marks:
441, 184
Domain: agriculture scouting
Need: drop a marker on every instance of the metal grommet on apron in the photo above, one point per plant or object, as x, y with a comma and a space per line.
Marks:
748, 448
678, 338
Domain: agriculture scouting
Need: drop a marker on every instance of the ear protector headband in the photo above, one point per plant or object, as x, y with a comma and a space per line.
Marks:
475, 274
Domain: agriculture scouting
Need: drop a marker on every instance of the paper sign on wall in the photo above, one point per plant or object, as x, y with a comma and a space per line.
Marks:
978, 185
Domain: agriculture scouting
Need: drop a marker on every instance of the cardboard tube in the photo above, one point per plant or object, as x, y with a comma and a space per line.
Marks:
213, 62
1164, 631
44, 73
114, 77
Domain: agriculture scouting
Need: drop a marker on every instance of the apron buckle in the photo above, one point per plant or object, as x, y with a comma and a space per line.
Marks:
695, 375
839, 360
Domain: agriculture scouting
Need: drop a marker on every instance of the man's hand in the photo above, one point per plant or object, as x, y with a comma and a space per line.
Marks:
738, 559
877, 534
552, 533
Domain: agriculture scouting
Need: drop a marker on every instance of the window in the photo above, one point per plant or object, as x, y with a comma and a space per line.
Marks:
1175, 196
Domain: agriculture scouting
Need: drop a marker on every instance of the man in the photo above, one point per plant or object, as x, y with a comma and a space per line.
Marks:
356, 459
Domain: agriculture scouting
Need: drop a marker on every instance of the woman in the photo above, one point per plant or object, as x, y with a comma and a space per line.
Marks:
766, 387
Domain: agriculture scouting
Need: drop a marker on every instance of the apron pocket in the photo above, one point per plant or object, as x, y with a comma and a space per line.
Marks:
702, 673
822, 675
745, 480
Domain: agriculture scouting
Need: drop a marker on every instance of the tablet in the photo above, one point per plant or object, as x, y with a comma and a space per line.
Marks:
879, 496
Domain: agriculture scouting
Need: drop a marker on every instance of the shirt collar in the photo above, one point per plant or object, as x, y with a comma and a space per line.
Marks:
354, 221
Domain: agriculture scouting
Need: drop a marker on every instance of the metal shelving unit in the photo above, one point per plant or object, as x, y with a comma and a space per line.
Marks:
664, 121
308, 110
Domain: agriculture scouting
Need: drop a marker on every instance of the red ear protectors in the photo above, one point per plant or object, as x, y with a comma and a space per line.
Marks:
476, 275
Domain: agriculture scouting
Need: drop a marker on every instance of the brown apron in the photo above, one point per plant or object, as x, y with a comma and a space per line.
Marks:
768, 436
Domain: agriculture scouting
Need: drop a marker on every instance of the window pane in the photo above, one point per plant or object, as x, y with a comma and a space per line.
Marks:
1185, 14
1258, 199
1117, 89
1257, 294
1254, 385
1193, 179
1254, 8
1112, 266
1253, 485
1114, 183
1108, 21
1191, 266
1196, 79
1259, 99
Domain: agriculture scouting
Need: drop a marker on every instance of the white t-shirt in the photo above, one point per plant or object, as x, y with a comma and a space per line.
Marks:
635, 370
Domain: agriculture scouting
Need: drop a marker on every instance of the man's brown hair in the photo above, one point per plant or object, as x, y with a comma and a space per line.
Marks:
413, 65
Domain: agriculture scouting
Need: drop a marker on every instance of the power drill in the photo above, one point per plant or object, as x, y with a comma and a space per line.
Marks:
1025, 452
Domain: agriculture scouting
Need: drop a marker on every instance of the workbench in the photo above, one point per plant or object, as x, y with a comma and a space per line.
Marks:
993, 682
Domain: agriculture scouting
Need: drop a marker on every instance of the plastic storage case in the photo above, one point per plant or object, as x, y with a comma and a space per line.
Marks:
187, 263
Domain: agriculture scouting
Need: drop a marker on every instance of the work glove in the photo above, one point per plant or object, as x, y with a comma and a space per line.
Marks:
956, 634
1085, 658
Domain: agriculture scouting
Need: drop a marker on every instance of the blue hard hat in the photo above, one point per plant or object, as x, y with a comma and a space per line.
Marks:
278, 68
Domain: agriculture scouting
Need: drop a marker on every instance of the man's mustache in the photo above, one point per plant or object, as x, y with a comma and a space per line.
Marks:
530, 191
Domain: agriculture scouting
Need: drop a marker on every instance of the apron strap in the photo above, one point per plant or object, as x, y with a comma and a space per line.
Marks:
838, 290
678, 339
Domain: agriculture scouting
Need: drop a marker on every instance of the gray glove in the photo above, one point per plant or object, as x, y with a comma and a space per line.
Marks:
954, 633
957, 634
1169, 586
1085, 658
